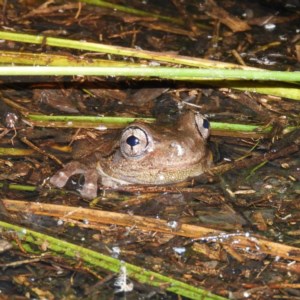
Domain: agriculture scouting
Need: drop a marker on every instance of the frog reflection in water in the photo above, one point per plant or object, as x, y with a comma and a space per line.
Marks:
148, 154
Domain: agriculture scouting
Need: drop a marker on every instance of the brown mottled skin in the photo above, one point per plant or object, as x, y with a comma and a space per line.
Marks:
165, 155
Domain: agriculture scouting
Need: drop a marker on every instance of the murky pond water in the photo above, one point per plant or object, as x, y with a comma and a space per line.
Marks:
232, 226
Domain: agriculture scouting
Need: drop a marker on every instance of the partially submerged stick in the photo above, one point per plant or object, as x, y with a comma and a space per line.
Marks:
235, 240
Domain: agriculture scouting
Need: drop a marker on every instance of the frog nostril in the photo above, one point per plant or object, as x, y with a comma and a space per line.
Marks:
132, 141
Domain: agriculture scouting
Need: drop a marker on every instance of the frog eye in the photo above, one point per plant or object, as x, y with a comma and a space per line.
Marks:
202, 125
135, 142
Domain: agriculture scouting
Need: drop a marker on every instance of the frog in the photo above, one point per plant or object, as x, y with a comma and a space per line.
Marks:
146, 154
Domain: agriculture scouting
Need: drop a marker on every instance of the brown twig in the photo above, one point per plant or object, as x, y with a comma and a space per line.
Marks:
39, 150
239, 241
248, 162
234, 23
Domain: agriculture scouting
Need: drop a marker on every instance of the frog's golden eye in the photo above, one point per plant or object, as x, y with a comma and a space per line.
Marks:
202, 125
135, 142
